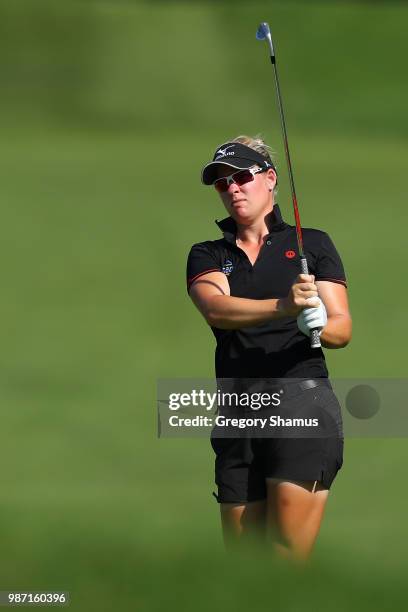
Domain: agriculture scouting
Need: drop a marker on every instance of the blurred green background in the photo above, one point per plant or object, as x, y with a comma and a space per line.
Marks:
107, 112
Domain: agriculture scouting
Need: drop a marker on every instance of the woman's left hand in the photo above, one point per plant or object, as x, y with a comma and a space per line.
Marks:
312, 318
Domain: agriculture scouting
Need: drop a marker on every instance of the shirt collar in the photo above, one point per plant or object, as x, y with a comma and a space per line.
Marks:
229, 227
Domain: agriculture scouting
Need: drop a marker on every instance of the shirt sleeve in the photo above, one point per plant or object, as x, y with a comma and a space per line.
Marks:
329, 266
201, 260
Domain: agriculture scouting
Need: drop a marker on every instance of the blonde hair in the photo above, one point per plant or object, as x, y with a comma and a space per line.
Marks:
258, 144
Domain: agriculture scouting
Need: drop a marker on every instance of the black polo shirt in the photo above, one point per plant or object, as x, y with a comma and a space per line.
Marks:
277, 348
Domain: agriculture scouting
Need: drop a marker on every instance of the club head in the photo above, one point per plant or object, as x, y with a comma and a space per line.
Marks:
264, 33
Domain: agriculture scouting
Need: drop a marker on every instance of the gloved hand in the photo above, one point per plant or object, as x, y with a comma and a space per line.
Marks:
312, 318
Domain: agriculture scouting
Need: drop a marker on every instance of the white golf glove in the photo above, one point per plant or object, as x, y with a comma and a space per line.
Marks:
312, 318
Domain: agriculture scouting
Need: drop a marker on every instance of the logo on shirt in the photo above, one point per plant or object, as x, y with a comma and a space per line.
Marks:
290, 254
227, 267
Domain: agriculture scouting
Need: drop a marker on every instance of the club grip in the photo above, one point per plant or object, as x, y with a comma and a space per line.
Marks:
314, 334
315, 339
303, 265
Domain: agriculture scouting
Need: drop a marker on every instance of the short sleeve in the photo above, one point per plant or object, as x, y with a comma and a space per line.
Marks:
329, 266
201, 260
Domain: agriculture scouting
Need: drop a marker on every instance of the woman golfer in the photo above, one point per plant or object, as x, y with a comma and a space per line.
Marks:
248, 288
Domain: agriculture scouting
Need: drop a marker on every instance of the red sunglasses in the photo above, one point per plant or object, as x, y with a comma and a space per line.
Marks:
240, 178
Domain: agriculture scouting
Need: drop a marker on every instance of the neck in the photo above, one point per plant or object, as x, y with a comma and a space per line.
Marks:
255, 232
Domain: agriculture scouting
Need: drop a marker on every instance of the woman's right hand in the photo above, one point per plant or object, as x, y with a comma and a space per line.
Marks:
303, 288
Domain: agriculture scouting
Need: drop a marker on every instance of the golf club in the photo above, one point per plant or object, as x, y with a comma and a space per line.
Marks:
264, 33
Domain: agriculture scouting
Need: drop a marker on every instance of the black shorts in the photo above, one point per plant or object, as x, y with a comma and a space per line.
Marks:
244, 461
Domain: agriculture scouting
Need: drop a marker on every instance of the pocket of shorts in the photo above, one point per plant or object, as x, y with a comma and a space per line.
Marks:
328, 402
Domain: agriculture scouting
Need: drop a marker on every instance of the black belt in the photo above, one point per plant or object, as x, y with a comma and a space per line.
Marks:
285, 387
291, 389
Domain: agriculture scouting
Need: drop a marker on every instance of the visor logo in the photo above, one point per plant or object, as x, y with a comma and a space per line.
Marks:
223, 152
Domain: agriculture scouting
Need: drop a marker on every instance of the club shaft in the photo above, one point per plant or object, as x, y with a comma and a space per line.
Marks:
288, 161
314, 334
